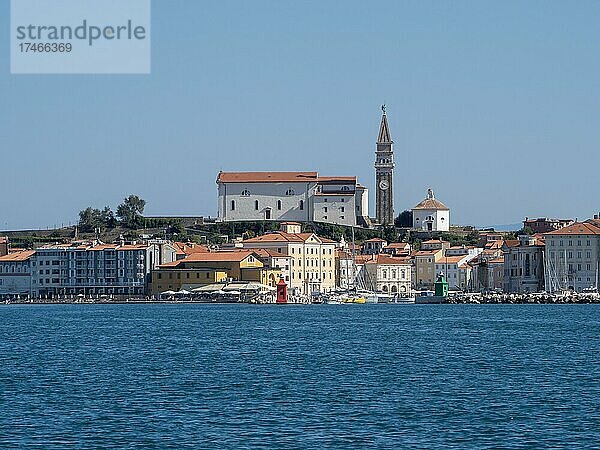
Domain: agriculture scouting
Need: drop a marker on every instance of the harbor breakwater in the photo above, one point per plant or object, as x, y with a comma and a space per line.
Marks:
533, 298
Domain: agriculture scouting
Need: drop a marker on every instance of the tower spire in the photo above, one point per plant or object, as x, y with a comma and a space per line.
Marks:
384, 173
385, 136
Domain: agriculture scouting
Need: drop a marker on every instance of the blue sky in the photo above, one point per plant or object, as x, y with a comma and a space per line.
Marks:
493, 104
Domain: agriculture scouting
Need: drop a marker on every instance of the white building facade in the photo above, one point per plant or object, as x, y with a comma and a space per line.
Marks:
388, 274
93, 269
291, 196
15, 274
431, 214
572, 257
456, 269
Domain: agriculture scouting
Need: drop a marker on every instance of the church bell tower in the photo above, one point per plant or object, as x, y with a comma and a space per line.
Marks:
384, 174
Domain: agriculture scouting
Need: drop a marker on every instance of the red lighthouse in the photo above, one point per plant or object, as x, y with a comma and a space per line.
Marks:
281, 291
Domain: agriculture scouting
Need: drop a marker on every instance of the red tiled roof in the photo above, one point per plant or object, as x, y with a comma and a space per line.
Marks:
426, 252
17, 257
132, 247
171, 264
386, 259
583, 228
227, 256
451, 259
327, 241
363, 259
432, 203
334, 180
188, 248
265, 252
400, 245
278, 236
266, 177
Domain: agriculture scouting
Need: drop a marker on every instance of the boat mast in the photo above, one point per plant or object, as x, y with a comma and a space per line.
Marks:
566, 277
354, 275
544, 271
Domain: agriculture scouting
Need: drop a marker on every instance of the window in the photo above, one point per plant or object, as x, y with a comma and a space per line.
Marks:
345, 188
301, 205
233, 205
245, 193
325, 208
289, 192
342, 209
279, 205
256, 205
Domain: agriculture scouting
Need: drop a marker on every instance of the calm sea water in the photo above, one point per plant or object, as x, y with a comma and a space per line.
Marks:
347, 376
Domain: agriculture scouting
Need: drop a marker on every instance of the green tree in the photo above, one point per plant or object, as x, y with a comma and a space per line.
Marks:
389, 234
404, 219
108, 218
90, 219
131, 210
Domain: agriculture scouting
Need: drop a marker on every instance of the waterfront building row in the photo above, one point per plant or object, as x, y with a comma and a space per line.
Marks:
567, 258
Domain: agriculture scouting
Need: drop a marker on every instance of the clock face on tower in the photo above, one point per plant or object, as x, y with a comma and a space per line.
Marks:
384, 185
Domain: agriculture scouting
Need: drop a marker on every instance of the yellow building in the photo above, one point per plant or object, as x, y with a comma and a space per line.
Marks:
312, 263
201, 269
425, 267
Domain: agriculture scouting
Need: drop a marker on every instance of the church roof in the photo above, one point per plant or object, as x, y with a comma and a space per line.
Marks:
266, 177
431, 203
